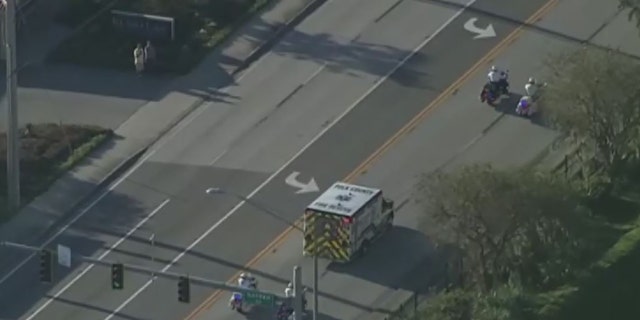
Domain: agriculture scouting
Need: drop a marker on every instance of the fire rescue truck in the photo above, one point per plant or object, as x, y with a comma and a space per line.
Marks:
342, 223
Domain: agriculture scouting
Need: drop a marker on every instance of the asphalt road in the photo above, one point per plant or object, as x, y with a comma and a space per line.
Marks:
165, 195
460, 132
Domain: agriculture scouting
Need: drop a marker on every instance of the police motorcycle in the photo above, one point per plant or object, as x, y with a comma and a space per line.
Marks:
236, 302
492, 91
527, 105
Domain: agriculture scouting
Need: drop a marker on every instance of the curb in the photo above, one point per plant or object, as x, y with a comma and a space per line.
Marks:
555, 165
540, 157
268, 44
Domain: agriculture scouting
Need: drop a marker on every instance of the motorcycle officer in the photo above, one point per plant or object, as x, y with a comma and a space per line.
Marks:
494, 76
498, 79
288, 291
247, 281
531, 88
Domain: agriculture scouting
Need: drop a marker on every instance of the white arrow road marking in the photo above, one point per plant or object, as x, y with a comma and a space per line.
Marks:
487, 32
292, 180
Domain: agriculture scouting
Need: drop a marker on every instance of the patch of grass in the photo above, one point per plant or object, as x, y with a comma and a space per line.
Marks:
198, 29
83, 151
47, 152
610, 287
608, 291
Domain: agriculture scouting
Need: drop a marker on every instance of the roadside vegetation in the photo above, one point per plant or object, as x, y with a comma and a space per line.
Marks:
199, 26
48, 151
530, 244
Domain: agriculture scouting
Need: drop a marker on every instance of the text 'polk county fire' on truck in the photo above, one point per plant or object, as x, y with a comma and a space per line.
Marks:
343, 222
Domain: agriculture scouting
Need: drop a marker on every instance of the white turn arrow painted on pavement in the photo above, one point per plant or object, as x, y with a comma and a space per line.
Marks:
310, 186
487, 32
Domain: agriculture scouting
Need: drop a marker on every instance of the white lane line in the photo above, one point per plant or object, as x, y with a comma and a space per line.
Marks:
164, 140
216, 159
286, 164
102, 256
324, 64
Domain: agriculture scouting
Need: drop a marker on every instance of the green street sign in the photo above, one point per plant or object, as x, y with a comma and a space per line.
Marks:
259, 298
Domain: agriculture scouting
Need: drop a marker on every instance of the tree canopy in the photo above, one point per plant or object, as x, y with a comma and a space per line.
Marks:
593, 96
634, 9
514, 225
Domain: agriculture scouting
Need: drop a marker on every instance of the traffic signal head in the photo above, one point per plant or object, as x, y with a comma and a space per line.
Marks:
117, 276
46, 265
184, 292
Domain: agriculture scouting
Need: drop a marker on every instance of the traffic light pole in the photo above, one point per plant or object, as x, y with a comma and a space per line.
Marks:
144, 270
298, 293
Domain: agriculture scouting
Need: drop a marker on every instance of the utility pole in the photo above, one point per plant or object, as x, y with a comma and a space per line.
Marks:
298, 293
13, 135
315, 283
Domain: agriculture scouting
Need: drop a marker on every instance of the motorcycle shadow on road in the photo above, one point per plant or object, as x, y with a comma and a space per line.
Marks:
400, 252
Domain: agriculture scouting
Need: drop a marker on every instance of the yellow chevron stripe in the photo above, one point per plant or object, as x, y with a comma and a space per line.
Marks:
325, 234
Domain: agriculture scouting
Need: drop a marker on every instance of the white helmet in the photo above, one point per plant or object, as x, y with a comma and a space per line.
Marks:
290, 285
494, 68
243, 276
532, 80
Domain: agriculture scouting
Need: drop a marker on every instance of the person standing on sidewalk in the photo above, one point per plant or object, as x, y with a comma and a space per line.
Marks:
149, 56
138, 59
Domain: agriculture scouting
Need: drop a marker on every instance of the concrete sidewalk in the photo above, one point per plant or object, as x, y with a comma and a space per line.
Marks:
83, 185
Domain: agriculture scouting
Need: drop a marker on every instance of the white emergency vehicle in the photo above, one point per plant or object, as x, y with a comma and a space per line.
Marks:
343, 221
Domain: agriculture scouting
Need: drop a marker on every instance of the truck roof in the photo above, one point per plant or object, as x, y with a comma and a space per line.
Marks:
343, 199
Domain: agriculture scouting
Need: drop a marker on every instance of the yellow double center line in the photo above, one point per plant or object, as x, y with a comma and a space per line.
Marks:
366, 164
